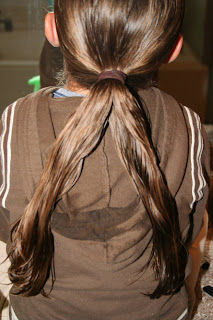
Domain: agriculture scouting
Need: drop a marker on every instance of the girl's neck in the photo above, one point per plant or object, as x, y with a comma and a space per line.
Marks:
76, 87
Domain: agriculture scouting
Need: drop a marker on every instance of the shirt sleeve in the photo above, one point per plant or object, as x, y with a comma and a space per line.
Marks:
4, 137
20, 160
11, 186
191, 198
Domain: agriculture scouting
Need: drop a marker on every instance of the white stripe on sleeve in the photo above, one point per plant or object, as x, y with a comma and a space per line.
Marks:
199, 154
7, 161
4, 124
195, 157
183, 314
192, 156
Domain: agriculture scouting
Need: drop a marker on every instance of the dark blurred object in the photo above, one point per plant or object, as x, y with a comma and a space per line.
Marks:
8, 25
205, 265
208, 290
51, 64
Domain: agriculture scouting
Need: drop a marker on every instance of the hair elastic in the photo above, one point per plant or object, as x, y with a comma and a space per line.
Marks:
112, 74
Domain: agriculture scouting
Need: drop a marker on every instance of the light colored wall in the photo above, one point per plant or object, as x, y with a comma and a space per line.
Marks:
20, 49
25, 14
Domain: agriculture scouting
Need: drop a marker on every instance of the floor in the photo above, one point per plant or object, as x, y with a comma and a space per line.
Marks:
4, 287
204, 306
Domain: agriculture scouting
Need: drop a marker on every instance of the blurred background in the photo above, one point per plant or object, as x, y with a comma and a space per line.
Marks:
21, 39
190, 78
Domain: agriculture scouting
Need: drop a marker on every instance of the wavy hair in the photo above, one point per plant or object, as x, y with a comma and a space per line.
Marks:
135, 37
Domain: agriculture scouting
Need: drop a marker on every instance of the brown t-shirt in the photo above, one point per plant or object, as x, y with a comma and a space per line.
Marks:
99, 253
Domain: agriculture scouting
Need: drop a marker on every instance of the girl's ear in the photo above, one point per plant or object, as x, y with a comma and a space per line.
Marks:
50, 29
177, 49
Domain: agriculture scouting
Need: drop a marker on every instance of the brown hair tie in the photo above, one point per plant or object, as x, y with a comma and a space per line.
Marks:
112, 74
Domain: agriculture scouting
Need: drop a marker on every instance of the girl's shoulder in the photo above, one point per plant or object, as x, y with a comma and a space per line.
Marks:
171, 123
20, 150
180, 142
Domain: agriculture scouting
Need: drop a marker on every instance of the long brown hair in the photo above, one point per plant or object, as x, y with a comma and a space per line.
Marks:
135, 37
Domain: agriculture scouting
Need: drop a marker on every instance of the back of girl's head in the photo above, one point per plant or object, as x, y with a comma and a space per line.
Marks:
134, 36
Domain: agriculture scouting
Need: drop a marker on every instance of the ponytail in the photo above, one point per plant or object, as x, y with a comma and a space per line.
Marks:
129, 130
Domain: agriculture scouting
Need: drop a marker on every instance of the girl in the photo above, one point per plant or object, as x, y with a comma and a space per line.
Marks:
105, 179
